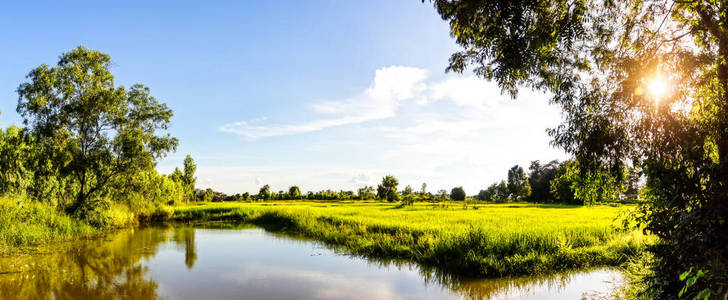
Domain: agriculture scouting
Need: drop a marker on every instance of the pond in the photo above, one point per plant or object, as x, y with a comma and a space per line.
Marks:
228, 261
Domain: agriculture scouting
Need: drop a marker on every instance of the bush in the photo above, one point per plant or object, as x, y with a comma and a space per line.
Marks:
457, 194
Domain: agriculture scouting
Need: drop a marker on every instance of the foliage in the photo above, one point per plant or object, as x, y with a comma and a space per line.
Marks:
387, 190
407, 190
540, 178
14, 153
598, 59
442, 195
89, 129
89, 148
409, 199
484, 195
366, 193
457, 194
294, 193
209, 194
263, 193
29, 223
586, 186
188, 177
518, 186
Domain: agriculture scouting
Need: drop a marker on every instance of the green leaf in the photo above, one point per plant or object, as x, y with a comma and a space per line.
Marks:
691, 281
685, 274
704, 294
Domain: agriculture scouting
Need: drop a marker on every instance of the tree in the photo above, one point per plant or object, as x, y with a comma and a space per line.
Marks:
366, 193
442, 195
294, 193
409, 200
457, 194
642, 84
540, 178
485, 195
188, 178
264, 193
423, 191
407, 190
388, 189
501, 193
518, 186
562, 186
90, 129
209, 195
15, 177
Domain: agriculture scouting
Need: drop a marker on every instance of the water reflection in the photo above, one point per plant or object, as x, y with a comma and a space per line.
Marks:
229, 261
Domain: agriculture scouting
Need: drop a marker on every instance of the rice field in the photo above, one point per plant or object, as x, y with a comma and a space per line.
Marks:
482, 240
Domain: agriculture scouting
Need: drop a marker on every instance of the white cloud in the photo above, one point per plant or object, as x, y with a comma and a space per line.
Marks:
390, 87
457, 131
258, 181
467, 91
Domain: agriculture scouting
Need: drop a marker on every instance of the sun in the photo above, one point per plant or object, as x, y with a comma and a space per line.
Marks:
658, 87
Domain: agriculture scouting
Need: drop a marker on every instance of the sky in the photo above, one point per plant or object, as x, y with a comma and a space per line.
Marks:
319, 94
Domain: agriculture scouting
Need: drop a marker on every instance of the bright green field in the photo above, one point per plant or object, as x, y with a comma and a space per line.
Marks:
492, 240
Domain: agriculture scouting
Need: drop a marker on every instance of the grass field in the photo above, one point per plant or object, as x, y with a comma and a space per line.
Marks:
484, 240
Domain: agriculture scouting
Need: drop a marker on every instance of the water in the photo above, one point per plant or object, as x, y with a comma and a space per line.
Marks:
244, 262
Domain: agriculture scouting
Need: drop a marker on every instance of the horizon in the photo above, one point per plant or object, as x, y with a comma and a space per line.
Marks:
327, 95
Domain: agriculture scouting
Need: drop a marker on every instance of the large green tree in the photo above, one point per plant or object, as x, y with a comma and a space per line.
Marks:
641, 84
387, 190
91, 130
457, 194
294, 193
518, 185
264, 193
540, 177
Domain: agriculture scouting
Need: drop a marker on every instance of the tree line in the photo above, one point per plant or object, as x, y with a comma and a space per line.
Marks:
563, 182
553, 182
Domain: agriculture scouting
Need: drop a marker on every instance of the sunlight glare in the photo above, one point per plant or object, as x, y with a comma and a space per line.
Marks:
658, 87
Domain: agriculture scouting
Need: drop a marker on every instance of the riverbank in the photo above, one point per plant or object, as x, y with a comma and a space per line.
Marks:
484, 240
28, 226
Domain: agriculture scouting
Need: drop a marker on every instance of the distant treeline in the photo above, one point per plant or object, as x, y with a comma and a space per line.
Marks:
554, 182
562, 182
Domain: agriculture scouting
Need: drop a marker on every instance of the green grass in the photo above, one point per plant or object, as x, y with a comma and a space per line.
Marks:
25, 224
485, 240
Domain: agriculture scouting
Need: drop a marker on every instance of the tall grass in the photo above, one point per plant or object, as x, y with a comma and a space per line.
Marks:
482, 240
25, 223
28, 224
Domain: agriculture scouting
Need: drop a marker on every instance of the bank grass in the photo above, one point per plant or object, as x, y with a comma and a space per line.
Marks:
26, 224
483, 240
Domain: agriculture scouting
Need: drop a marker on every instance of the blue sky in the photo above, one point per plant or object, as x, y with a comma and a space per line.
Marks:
320, 94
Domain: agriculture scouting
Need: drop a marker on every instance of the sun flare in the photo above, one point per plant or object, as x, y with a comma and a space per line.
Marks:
658, 87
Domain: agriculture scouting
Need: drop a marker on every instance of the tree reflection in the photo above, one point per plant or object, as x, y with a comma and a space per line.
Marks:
109, 268
114, 268
185, 236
